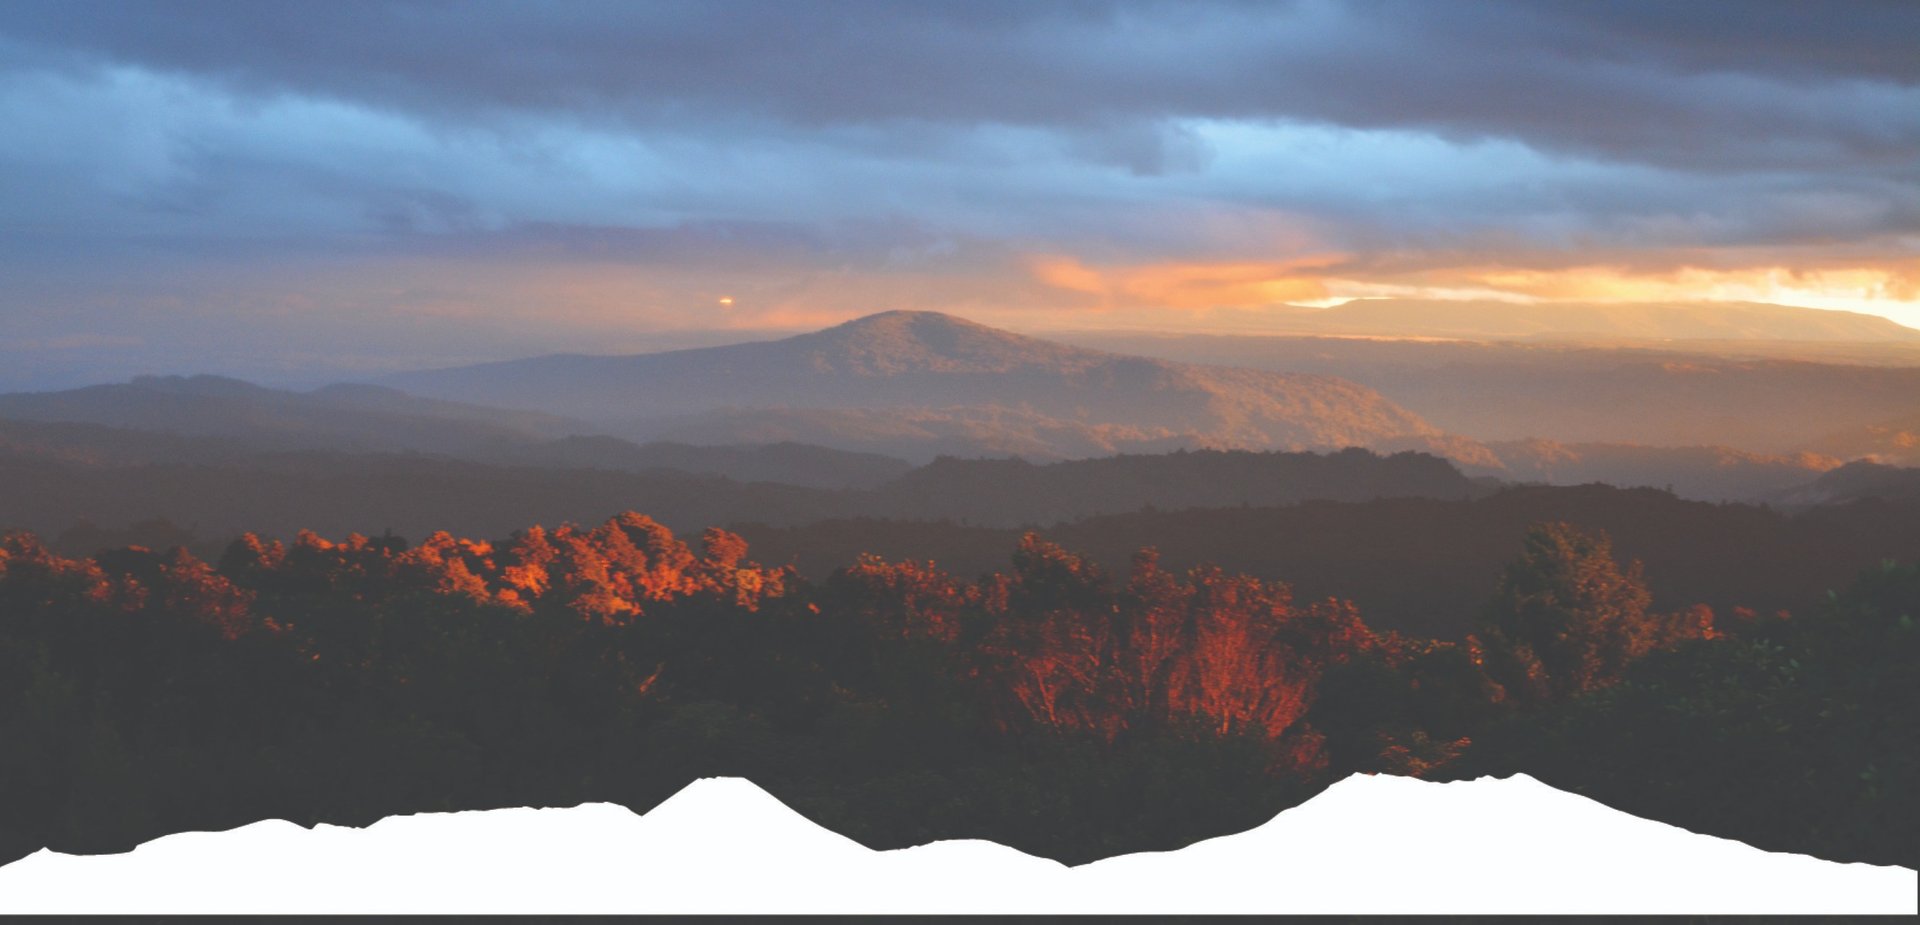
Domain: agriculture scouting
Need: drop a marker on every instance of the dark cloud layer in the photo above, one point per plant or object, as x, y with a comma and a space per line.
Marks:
1748, 82
803, 148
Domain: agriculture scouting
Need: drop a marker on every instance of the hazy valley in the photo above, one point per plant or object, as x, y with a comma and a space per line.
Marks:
861, 404
921, 436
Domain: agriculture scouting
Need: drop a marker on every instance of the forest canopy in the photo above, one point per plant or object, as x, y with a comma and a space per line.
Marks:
1050, 705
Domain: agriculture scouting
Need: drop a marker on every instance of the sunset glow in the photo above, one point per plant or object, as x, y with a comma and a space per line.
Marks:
565, 197
1318, 282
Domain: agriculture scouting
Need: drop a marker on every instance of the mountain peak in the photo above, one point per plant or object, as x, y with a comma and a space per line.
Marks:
935, 382
898, 325
901, 317
898, 341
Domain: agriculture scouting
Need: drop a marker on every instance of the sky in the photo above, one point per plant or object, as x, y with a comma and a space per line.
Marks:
299, 190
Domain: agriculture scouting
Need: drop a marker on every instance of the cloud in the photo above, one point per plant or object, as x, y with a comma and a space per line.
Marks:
1187, 286
1731, 82
566, 172
1889, 289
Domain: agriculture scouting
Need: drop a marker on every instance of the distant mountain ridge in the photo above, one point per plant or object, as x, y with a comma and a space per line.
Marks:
212, 420
924, 378
341, 418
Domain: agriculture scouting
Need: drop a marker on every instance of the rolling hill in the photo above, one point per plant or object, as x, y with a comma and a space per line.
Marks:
345, 418
210, 420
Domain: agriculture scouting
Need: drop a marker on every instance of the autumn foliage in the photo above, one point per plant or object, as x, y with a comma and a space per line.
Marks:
145, 691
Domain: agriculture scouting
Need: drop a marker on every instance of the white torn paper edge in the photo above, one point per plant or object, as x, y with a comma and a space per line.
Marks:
1366, 845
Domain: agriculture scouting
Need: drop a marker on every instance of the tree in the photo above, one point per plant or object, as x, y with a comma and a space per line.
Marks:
1568, 619
1559, 622
1793, 734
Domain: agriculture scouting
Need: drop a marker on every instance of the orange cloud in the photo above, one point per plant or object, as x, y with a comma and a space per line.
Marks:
1882, 289
1068, 273
1188, 286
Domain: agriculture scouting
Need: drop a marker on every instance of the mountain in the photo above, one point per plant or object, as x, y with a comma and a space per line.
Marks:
923, 377
1653, 321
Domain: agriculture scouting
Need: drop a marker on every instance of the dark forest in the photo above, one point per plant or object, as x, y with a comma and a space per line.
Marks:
1051, 705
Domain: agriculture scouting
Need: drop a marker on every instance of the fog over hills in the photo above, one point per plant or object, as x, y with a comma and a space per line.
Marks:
1785, 398
1894, 442
898, 379
856, 406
